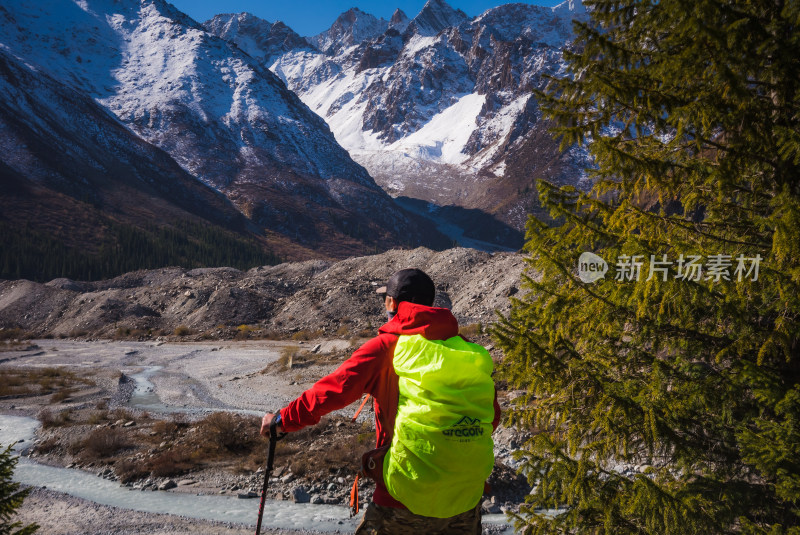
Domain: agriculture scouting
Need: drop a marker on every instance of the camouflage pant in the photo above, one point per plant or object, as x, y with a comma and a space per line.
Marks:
380, 520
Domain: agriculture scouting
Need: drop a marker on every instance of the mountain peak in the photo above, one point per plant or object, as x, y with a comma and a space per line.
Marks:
350, 28
435, 16
398, 16
261, 39
437, 4
351, 15
399, 20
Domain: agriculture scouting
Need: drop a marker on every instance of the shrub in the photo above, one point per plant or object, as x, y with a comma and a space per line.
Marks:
170, 463
101, 443
97, 417
48, 445
229, 431
307, 335
165, 428
130, 470
346, 456
182, 330
48, 419
122, 332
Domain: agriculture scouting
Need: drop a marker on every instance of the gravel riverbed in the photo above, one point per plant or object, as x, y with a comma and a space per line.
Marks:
193, 379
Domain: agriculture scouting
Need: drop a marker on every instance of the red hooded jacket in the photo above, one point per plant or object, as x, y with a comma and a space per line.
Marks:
370, 370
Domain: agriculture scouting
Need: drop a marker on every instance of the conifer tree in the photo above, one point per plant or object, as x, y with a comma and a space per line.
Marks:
668, 402
11, 497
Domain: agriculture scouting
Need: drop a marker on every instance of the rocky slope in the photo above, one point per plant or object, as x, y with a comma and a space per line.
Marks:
307, 299
442, 110
224, 117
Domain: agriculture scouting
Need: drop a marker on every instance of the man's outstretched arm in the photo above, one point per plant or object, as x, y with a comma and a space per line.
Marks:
353, 378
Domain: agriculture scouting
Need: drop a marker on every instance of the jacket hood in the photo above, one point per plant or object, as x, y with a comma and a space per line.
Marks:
431, 322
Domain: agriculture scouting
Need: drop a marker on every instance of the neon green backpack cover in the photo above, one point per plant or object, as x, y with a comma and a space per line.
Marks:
442, 450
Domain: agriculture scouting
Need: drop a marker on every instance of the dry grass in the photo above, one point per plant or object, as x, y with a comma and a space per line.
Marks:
293, 357
58, 419
40, 381
97, 417
219, 439
227, 431
99, 444
121, 414
343, 331
171, 463
166, 428
49, 445
7, 335
227, 441
182, 330
307, 335
61, 395
127, 333
471, 331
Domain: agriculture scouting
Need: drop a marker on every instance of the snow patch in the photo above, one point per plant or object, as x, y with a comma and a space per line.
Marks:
417, 43
443, 138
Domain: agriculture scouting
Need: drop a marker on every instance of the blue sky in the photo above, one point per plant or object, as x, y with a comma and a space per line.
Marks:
310, 17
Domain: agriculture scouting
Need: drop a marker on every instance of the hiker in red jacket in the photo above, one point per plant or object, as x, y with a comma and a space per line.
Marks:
408, 299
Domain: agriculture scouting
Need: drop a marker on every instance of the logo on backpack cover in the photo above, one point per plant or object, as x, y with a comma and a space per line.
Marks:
465, 428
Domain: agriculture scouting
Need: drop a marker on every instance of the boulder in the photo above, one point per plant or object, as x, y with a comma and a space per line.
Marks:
168, 484
300, 495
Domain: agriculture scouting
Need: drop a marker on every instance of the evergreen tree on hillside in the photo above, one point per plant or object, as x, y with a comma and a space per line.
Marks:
665, 397
11, 497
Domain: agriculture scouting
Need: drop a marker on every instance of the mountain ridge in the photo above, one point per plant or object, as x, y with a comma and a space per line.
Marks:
224, 117
448, 116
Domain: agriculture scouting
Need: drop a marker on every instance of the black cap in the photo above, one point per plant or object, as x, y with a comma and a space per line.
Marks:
412, 285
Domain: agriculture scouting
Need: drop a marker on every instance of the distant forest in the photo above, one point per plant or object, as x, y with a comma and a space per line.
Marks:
26, 253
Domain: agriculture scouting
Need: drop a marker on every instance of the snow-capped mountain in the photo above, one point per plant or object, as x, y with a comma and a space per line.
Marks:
68, 167
443, 110
268, 40
354, 26
436, 15
222, 115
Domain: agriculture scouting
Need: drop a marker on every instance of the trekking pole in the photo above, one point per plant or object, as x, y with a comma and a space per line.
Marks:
273, 438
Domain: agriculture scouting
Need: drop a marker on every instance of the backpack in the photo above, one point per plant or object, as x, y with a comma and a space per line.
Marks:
442, 450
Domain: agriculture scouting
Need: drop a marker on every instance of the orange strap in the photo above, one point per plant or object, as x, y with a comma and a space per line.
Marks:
361, 407
354, 498
354, 490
